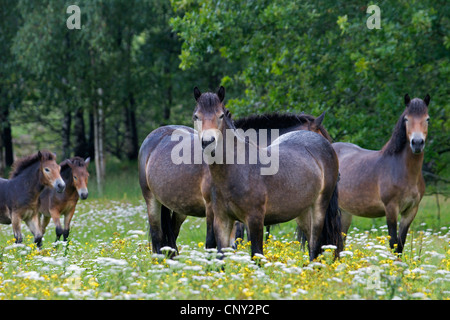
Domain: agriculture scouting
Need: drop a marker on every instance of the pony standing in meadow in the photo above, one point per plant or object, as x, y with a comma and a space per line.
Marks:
387, 182
55, 204
19, 195
303, 186
180, 188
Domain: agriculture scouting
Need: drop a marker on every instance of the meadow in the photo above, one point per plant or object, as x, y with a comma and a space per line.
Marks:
108, 257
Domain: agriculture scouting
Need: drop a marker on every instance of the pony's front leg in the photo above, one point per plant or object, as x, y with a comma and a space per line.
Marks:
405, 222
35, 228
222, 230
255, 224
16, 222
67, 218
391, 220
56, 217
44, 223
210, 236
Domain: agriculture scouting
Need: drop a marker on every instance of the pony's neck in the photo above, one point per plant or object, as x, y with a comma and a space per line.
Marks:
239, 141
413, 162
30, 178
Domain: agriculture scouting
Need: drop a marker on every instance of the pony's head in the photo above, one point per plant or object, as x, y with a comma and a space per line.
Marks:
209, 116
416, 120
50, 171
80, 175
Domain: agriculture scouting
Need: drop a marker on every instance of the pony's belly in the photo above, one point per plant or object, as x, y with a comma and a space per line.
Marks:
191, 206
274, 217
288, 207
194, 211
362, 207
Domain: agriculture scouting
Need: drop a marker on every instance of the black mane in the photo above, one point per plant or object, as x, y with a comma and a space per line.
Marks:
20, 165
272, 121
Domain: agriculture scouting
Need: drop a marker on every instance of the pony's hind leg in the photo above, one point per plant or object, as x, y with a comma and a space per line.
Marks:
177, 221
154, 220
168, 237
346, 221
316, 227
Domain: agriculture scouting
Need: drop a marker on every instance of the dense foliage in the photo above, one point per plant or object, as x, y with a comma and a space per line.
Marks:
132, 66
317, 56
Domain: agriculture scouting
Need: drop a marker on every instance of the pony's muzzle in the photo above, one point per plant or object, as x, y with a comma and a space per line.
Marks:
210, 139
417, 145
83, 193
59, 185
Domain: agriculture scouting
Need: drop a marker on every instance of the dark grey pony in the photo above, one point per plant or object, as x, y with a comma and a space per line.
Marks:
304, 186
180, 188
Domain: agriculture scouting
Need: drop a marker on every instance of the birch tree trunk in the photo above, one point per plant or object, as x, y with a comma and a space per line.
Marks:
98, 142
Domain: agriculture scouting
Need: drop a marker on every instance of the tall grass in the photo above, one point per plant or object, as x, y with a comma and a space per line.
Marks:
121, 182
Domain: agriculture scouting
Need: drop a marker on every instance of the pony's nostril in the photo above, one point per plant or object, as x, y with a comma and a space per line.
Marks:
207, 142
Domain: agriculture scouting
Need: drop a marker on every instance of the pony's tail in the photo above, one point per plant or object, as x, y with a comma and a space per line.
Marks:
167, 229
332, 230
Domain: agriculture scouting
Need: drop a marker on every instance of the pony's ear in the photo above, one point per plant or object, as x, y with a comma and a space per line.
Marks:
86, 162
221, 93
427, 100
318, 121
197, 93
407, 99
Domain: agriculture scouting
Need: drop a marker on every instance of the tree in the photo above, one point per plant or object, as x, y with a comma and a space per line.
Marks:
317, 56
11, 80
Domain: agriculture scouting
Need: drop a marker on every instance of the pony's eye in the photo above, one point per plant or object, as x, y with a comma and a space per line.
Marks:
221, 116
406, 120
196, 117
47, 170
428, 119
75, 178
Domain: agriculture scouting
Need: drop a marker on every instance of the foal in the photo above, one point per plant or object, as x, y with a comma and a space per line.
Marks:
53, 205
387, 182
19, 196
